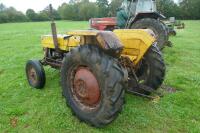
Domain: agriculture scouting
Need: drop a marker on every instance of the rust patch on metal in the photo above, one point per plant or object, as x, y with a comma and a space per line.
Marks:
86, 87
32, 75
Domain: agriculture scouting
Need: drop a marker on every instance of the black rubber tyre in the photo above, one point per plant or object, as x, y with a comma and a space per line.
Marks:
151, 70
35, 74
166, 29
157, 27
172, 33
156, 68
110, 76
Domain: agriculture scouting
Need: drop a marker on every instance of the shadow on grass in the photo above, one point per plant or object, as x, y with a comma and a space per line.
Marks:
1, 71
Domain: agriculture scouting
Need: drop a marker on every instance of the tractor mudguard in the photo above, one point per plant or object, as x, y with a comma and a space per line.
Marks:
106, 40
142, 15
110, 42
136, 42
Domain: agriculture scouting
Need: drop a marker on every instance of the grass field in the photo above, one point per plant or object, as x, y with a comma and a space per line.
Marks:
23, 109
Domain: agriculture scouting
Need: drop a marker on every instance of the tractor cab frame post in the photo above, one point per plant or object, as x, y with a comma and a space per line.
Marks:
142, 11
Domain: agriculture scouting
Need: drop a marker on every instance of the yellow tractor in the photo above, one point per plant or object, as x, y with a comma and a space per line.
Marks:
97, 67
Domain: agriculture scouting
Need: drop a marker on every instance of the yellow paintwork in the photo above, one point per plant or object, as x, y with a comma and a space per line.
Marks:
83, 32
136, 42
64, 44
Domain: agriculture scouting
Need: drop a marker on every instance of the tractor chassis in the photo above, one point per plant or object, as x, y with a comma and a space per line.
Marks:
56, 62
52, 58
128, 64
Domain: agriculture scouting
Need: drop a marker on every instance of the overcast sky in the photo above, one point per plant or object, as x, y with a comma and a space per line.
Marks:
37, 5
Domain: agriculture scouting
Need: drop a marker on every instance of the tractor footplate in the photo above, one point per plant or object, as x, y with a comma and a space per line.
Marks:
140, 94
145, 94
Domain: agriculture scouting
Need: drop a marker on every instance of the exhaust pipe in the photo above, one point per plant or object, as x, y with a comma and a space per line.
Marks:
53, 29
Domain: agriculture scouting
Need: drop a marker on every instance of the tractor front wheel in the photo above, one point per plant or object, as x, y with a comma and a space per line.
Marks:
35, 74
92, 84
151, 70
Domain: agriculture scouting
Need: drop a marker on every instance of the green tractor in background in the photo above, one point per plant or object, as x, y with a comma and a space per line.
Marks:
137, 14
143, 14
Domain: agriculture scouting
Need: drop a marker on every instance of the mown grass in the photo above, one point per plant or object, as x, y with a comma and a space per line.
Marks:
23, 109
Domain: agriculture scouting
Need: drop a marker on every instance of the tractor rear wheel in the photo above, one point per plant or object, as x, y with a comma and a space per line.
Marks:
151, 70
157, 27
92, 84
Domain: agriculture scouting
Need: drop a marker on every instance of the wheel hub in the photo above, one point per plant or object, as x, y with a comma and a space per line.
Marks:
32, 75
86, 88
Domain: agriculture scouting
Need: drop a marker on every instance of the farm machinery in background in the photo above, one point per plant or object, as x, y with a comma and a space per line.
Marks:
172, 23
142, 14
97, 67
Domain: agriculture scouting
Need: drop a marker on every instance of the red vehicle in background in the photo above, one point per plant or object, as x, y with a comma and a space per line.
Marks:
103, 23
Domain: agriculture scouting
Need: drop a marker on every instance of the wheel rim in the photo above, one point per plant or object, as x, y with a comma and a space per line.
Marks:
32, 75
85, 88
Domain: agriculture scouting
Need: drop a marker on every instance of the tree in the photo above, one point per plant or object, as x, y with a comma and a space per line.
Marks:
83, 10
14, 16
2, 7
103, 8
190, 9
68, 11
87, 10
74, 1
11, 15
42, 16
46, 13
31, 15
114, 5
3, 17
168, 8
